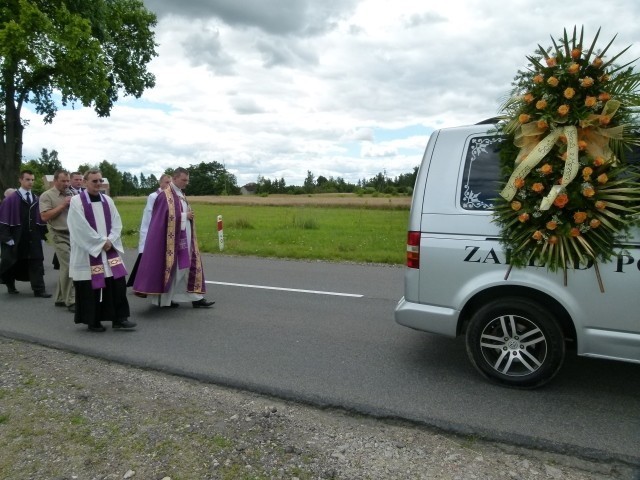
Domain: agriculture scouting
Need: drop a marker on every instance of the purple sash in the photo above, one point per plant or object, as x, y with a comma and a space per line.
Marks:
114, 260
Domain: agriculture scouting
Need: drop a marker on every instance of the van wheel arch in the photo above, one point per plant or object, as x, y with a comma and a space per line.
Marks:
487, 296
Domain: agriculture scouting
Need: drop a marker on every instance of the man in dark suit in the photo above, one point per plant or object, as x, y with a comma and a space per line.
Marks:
22, 232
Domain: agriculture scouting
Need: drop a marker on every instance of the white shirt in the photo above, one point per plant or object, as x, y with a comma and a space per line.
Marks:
146, 219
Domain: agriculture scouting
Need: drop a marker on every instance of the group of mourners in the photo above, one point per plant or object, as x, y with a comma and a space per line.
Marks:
85, 229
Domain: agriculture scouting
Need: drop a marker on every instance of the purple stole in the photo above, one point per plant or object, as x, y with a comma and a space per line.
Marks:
195, 282
114, 260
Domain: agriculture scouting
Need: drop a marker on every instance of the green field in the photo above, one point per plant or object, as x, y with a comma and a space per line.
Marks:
358, 234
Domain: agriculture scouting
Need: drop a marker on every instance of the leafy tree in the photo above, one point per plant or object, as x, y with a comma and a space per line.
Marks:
211, 179
111, 173
264, 185
85, 166
152, 184
309, 182
128, 186
143, 182
49, 162
67, 52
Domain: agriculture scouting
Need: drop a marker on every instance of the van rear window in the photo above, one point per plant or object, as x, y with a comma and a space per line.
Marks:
480, 184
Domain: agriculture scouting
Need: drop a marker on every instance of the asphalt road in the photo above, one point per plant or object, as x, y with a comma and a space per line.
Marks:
323, 333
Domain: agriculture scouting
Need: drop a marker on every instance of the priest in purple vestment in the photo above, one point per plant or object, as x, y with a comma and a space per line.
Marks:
170, 270
95, 262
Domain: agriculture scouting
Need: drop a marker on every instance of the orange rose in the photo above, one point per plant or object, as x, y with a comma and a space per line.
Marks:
597, 62
590, 101
604, 96
538, 78
524, 118
561, 200
588, 191
569, 93
541, 104
579, 217
537, 187
523, 217
604, 119
582, 145
594, 223
602, 178
575, 232
542, 125
563, 110
519, 182
598, 161
537, 235
575, 54
528, 98
600, 205
552, 81
551, 225
553, 239
546, 169
586, 172
573, 68
563, 139
603, 78
515, 205
586, 82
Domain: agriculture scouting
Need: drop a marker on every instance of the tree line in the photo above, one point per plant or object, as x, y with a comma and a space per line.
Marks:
380, 183
214, 179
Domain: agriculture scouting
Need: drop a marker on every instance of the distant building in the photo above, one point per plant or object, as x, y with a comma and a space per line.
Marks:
47, 182
249, 189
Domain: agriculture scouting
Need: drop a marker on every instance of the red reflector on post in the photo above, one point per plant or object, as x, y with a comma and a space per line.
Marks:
413, 250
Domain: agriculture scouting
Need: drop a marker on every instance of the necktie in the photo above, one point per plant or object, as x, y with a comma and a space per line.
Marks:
29, 198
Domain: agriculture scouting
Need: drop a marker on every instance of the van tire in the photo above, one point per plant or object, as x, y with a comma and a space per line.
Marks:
515, 342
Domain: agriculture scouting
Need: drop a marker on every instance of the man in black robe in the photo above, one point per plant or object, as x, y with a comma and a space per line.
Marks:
22, 232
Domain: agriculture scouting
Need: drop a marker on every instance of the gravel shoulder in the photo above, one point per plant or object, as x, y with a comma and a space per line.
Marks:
68, 416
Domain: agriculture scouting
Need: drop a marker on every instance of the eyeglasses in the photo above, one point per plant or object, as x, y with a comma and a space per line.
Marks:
98, 181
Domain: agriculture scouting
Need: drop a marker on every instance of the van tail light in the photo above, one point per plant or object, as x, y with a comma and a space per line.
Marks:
413, 250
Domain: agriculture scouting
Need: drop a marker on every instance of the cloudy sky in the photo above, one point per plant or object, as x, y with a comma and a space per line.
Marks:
343, 88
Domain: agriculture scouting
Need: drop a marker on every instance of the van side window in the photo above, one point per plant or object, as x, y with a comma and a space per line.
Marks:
632, 156
481, 173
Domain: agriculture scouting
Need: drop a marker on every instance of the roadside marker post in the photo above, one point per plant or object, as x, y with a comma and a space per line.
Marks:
220, 233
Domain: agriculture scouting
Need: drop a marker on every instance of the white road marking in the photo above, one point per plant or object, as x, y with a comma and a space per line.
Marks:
264, 287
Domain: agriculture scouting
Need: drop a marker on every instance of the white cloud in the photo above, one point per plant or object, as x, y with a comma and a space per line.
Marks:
336, 87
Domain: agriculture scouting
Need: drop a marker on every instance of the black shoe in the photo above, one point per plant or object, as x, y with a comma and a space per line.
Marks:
61, 304
42, 294
12, 291
123, 325
173, 305
97, 328
72, 308
202, 303
141, 295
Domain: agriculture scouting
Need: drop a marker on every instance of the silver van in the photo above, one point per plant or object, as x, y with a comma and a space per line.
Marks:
517, 323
